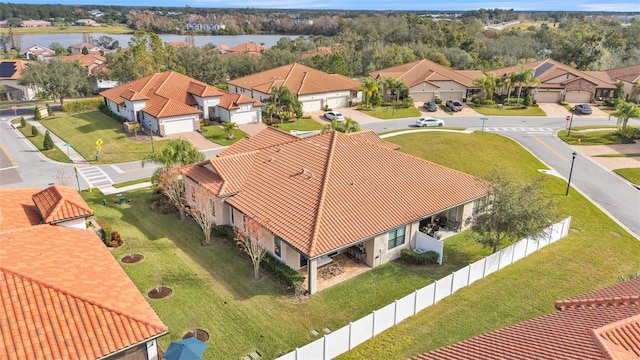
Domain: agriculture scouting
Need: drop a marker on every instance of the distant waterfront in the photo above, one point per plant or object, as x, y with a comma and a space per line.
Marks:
67, 40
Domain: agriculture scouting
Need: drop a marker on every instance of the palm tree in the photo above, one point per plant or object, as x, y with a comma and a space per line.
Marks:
524, 77
483, 84
369, 89
178, 152
507, 82
346, 126
135, 127
229, 128
624, 111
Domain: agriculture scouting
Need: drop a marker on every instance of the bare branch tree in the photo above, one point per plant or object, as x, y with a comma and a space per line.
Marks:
62, 178
203, 210
171, 183
157, 275
253, 242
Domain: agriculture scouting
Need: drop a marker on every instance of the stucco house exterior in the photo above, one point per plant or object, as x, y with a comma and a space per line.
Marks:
63, 295
37, 52
170, 102
10, 74
91, 49
328, 194
560, 82
630, 77
314, 88
428, 80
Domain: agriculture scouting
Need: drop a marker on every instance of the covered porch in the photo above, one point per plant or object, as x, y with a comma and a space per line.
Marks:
335, 269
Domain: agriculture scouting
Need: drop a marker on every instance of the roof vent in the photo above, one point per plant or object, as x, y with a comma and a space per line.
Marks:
278, 149
270, 159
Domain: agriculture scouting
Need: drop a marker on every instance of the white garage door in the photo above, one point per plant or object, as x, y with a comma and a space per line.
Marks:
337, 102
246, 117
454, 95
422, 96
312, 105
578, 96
178, 126
547, 96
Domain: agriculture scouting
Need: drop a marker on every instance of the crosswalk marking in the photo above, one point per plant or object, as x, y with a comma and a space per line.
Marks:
95, 176
523, 129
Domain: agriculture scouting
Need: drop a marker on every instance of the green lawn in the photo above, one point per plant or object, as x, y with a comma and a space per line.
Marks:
301, 125
216, 134
213, 288
53, 154
387, 112
618, 155
599, 137
508, 110
631, 174
131, 182
83, 130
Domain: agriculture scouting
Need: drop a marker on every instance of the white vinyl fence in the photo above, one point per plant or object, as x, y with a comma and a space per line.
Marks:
359, 331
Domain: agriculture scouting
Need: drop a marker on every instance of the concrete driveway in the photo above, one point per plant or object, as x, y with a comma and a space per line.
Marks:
596, 112
554, 110
612, 163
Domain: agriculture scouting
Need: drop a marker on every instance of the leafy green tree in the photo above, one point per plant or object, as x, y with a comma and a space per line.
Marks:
202, 64
47, 144
515, 211
34, 131
618, 93
229, 128
626, 110
85, 51
56, 78
36, 114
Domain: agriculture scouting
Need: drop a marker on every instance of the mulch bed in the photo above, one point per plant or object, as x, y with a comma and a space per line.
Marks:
201, 335
159, 293
131, 259
163, 206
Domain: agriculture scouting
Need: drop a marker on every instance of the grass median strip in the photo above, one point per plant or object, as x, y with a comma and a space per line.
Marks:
54, 154
631, 174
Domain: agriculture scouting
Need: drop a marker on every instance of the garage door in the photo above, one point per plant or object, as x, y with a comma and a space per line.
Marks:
547, 96
455, 95
578, 97
337, 102
312, 105
422, 96
178, 126
246, 117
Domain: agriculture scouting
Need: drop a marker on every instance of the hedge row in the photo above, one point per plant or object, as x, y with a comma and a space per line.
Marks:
79, 106
412, 257
282, 272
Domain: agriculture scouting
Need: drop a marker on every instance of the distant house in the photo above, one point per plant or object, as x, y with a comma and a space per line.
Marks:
322, 50
10, 73
562, 82
95, 66
35, 23
428, 81
314, 88
243, 49
91, 49
599, 325
86, 22
169, 103
64, 295
200, 26
37, 52
630, 77
329, 194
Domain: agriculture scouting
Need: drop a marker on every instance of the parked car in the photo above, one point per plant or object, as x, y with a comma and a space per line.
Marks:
454, 105
583, 109
330, 115
431, 106
428, 121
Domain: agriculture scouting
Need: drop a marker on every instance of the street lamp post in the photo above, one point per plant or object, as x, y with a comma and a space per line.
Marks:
569, 132
573, 159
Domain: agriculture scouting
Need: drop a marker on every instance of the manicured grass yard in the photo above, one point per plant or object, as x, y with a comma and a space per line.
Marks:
508, 110
386, 112
300, 125
83, 130
53, 154
213, 290
216, 134
598, 137
631, 174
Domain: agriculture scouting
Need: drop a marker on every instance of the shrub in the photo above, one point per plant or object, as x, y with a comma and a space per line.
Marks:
475, 101
438, 101
327, 108
609, 102
23, 122
49, 111
79, 106
34, 131
488, 102
631, 133
224, 231
564, 103
106, 236
36, 114
282, 271
47, 144
412, 257
105, 110
528, 101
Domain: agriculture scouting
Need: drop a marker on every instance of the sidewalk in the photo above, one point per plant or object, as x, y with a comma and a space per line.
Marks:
75, 157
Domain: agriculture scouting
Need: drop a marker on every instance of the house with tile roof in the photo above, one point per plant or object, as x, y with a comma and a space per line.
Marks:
630, 77
601, 325
428, 80
314, 88
95, 66
91, 48
62, 294
329, 194
560, 82
170, 102
10, 74
37, 52
247, 48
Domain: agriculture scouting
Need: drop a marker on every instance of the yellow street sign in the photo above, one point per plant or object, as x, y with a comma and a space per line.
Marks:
99, 143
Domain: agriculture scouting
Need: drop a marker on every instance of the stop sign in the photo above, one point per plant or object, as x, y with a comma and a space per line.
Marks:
568, 117
14, 108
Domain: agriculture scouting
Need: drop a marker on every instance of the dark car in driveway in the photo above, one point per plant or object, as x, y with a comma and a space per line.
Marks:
583, 109
431, 106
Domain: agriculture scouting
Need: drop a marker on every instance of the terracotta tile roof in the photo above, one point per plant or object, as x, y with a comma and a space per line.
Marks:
298, 78
372, 137
629, 74
17, 210
321, 50
18, 67
604, 324
320, 189
38, 50
232, 101
423, 70
167, 94
59, 203
179, 44
64, 296
85, 60
270, 136
247, 47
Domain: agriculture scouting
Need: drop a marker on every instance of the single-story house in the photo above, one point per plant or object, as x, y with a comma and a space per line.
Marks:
598, 325
331, 193
560, 82
10, 74
64, 295
95, 66
428, 80
91, 48
244, 48
170, 103
314, 88
630, 77
37, 52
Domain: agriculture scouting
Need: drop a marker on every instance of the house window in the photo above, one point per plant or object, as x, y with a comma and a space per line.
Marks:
396, 237
277, 246
479, 206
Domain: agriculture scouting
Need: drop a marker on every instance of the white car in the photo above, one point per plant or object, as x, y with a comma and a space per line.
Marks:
330, 115
427, 121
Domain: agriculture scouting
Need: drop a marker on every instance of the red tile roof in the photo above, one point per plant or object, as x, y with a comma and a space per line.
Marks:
247, 47
232, 101
298, 78
603, 324
327, 191
17, 210
270, 136
63, 295
424, 70
629, 74
60, 203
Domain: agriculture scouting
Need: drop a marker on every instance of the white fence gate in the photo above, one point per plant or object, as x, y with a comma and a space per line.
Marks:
359, 331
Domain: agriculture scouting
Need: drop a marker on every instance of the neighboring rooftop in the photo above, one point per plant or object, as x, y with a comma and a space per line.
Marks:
425, 70
60, 203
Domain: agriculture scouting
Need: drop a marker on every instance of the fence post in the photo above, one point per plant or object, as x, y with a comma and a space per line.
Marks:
435, 291
563, 223
537, 244
484, 268
469, 275
324, 347
513, 253
453, 278
415, 302
373, 325
350, 335
296, 353
395, 313
526, 247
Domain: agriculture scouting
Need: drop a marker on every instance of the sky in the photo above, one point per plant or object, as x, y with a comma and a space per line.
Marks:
413, 5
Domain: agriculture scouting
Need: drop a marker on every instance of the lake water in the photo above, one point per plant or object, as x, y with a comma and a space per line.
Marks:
67, 40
